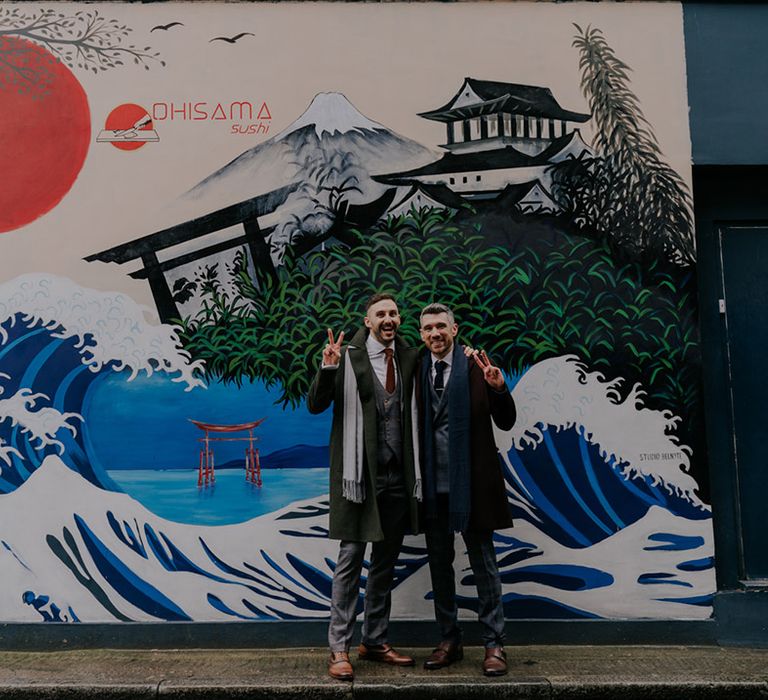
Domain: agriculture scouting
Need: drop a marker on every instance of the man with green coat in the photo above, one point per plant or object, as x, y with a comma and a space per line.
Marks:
374, 475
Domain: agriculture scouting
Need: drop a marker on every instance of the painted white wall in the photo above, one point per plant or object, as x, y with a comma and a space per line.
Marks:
484, 180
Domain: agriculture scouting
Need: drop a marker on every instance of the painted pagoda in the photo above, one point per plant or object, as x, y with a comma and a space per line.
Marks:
499, 135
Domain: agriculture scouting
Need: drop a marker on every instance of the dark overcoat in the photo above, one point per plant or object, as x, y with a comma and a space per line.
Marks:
361, 522
488, 501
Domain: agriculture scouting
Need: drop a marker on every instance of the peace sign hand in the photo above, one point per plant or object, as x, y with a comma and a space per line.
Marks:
332, 351
491, 373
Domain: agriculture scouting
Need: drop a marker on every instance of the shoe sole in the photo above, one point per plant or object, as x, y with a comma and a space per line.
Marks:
340, 676
382, 661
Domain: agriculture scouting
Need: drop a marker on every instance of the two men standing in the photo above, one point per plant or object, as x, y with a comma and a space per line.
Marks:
377, 476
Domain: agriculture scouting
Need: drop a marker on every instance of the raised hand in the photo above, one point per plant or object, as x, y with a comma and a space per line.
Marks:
332, 351
491, 373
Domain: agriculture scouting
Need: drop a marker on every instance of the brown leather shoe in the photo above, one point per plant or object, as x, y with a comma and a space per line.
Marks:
339, 666
383, 653
495, 663
444, 655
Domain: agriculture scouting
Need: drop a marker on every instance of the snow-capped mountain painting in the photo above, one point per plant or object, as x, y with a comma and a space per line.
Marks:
331, 151
331, 145
332, 113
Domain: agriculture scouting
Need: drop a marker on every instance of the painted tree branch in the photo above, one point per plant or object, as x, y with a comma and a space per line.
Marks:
84, 40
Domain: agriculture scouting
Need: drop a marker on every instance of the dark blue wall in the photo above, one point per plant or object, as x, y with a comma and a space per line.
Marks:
726, 47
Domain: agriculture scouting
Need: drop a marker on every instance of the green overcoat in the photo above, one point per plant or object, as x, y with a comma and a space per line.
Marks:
361, 522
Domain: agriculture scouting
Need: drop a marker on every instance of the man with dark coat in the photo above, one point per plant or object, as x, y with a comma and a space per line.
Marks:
458, 393
374, 475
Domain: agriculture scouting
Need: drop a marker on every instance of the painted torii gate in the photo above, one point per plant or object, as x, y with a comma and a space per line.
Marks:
245, 213
205, 473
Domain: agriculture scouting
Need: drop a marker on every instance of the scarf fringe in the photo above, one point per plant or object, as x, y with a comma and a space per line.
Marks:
353, 491
459, 522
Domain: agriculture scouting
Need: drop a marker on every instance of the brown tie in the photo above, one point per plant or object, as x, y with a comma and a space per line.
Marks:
390, 384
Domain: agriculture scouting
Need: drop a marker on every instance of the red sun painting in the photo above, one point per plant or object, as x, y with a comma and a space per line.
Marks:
45, 128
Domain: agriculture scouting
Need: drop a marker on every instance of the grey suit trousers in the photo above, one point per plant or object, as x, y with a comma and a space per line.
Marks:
393, 505
482, 559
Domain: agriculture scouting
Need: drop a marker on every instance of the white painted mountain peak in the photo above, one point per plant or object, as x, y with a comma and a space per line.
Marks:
331, 112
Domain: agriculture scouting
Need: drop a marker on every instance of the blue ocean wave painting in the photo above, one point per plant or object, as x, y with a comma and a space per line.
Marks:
92, 530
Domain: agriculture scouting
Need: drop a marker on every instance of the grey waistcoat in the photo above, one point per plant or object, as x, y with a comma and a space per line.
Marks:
440, 433
390, 438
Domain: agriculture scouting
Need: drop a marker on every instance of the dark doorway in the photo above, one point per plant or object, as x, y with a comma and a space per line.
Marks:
744, 269
731, 206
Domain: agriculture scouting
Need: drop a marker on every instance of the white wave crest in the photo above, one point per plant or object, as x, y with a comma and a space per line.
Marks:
6, 451
41, 423
560, 393
253, 564
259, 552
109, 326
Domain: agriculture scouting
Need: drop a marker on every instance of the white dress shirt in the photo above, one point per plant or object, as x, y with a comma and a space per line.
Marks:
446, 370
379, 359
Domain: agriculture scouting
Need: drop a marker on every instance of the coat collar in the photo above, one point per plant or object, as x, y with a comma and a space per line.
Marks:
361, 364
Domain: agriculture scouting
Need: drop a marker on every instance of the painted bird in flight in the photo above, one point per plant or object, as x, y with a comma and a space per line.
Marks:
166, 27
233, 39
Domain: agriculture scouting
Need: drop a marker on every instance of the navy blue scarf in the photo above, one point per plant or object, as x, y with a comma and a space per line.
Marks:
459, 494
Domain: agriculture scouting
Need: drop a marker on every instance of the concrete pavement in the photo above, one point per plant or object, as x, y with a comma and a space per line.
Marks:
583, 672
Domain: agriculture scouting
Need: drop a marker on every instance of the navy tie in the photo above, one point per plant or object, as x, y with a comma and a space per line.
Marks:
439, 369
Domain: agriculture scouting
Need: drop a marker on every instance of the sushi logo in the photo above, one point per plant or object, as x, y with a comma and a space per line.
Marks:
128, 127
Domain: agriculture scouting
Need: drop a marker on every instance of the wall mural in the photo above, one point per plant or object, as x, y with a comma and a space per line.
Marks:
192, 194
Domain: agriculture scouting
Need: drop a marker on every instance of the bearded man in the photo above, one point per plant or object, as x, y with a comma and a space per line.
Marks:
374, 478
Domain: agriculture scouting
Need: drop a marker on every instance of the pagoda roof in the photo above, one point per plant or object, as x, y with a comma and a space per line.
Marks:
440, 194
570, 142
515, 193
528, 100
472, 161
497, 159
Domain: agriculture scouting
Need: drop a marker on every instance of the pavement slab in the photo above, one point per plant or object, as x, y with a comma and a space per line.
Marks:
536, 672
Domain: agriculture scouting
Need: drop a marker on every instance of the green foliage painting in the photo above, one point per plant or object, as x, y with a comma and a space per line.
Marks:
568, 296
612, 285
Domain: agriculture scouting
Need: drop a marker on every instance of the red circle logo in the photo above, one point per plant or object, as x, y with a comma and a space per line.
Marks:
127, 123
